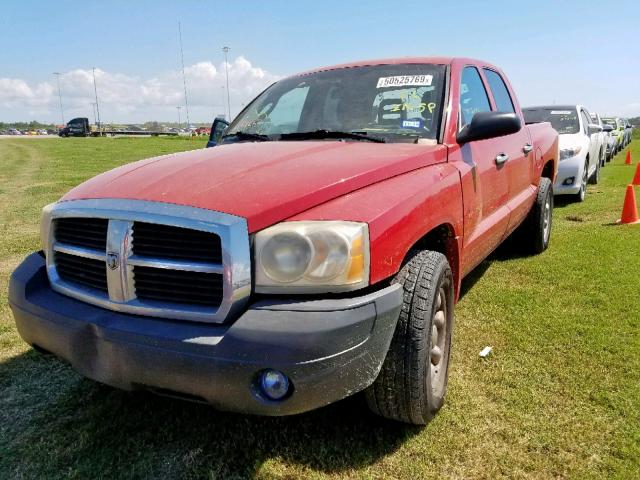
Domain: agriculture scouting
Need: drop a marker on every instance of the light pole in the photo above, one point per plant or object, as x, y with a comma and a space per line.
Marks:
95, 90
179, 121
223, 95
184, 78
226, 69
57, 74
95, 118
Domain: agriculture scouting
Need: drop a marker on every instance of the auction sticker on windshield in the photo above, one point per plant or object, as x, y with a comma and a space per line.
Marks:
561, 112
405, 80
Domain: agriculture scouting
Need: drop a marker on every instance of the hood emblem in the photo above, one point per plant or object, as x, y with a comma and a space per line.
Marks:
113, 260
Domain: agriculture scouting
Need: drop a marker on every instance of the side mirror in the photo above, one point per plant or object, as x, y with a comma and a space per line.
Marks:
489, 125
594, 128
217, 129
607, 128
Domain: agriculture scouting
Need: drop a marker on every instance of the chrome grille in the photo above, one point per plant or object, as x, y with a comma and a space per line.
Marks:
81, 270
82, 232
176, 242
149, 258
178, 286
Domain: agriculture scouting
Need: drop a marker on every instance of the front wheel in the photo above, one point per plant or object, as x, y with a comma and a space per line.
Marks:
582, 194
412, 383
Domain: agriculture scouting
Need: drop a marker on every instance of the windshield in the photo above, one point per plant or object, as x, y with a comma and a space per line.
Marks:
394, 102
563, 121
609, 121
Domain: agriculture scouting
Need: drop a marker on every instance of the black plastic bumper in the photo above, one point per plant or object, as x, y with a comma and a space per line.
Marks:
329, 349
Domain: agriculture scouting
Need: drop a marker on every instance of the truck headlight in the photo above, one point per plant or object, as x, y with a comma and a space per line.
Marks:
312, 257
569, 152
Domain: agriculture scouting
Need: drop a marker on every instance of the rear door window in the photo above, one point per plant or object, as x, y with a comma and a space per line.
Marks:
500, 91
473, 96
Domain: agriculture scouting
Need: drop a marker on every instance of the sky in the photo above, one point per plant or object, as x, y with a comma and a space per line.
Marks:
552, 51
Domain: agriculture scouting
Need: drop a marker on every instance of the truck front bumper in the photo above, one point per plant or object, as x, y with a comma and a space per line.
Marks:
329, 349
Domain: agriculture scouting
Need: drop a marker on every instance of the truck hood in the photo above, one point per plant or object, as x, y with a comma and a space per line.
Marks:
264, 182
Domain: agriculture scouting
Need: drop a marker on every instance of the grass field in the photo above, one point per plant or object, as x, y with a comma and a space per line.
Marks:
558, 397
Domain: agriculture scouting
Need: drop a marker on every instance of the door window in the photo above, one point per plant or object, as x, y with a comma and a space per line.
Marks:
473, 96
585, 121
500, 91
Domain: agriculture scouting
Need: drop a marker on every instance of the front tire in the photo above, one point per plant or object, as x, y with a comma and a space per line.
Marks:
582, 194
412, 383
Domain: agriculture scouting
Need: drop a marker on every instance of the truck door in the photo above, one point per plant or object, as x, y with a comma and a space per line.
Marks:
520, 155
485, 185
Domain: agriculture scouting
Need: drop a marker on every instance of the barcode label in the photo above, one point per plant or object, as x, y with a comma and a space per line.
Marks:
405, 81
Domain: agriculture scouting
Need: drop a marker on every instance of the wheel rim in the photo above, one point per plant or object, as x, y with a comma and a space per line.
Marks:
439, 355
546, 226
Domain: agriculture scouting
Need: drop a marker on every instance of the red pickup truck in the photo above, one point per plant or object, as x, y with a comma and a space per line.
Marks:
315, 252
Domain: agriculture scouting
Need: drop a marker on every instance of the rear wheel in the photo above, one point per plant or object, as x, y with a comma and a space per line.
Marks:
535, 232
595, 178
413, 380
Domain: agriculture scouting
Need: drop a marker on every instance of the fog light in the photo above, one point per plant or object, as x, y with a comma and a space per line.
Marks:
569, 181
274, 384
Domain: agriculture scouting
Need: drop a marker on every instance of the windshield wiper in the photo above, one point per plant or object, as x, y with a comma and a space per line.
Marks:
322, 133
248, 136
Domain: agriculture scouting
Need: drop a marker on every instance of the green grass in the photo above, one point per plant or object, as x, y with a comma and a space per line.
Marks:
558, 397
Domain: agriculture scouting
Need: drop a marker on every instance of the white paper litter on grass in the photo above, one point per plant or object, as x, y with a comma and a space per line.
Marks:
485, 351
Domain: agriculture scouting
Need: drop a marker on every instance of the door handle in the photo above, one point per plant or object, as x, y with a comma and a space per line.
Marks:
501, 158
527, 148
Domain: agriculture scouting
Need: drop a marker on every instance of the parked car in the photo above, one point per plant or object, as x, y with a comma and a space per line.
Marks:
14, 131
602, 137
316, 252
42, 131
579, 149
618, 132
628, 131
610, 125
203, 131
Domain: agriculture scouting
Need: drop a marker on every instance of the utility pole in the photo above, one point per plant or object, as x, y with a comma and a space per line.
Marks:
226, 69
57, 74
225, 110
95, 90
95, 117
184, 78
179, 121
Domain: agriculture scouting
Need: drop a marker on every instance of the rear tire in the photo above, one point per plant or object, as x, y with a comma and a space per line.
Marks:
412, 382
535, 232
